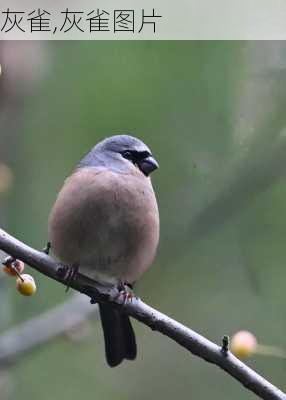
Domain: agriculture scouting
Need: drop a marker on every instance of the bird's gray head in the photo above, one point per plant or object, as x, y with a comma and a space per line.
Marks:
119, 153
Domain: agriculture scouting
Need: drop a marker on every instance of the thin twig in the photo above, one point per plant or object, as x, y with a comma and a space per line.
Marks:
184, 336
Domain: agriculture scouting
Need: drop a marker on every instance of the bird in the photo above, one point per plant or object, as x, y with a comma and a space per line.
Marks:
105, 221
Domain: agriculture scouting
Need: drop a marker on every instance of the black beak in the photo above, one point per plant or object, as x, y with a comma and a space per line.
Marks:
147, 165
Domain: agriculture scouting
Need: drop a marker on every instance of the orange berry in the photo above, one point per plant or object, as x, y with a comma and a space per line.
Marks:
243, 344
26, 285
18, 265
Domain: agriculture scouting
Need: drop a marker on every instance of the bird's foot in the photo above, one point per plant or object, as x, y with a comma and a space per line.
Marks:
47, 248
73, 270
125, 291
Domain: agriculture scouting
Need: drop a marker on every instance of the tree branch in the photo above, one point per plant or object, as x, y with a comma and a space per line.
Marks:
44, 327
184, 336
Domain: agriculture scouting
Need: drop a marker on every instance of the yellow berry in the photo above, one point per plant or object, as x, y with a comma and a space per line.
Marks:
14, 267
243, 344
26, 285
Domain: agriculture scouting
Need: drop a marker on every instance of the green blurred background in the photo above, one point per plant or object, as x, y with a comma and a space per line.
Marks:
213, 114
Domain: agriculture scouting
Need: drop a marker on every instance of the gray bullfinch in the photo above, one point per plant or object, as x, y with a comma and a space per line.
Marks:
105, 221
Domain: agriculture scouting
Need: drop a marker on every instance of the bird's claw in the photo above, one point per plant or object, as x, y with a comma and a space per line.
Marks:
70, 275
125, 291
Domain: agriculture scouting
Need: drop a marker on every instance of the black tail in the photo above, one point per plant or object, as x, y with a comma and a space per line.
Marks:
119, 336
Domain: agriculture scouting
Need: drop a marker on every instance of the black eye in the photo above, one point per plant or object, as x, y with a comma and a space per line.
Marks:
128, 154
135, 156
142, 155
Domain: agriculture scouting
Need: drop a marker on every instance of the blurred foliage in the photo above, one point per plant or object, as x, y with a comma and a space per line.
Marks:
213, 114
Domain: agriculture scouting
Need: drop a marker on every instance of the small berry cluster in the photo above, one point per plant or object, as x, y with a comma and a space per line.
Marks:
25, 283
